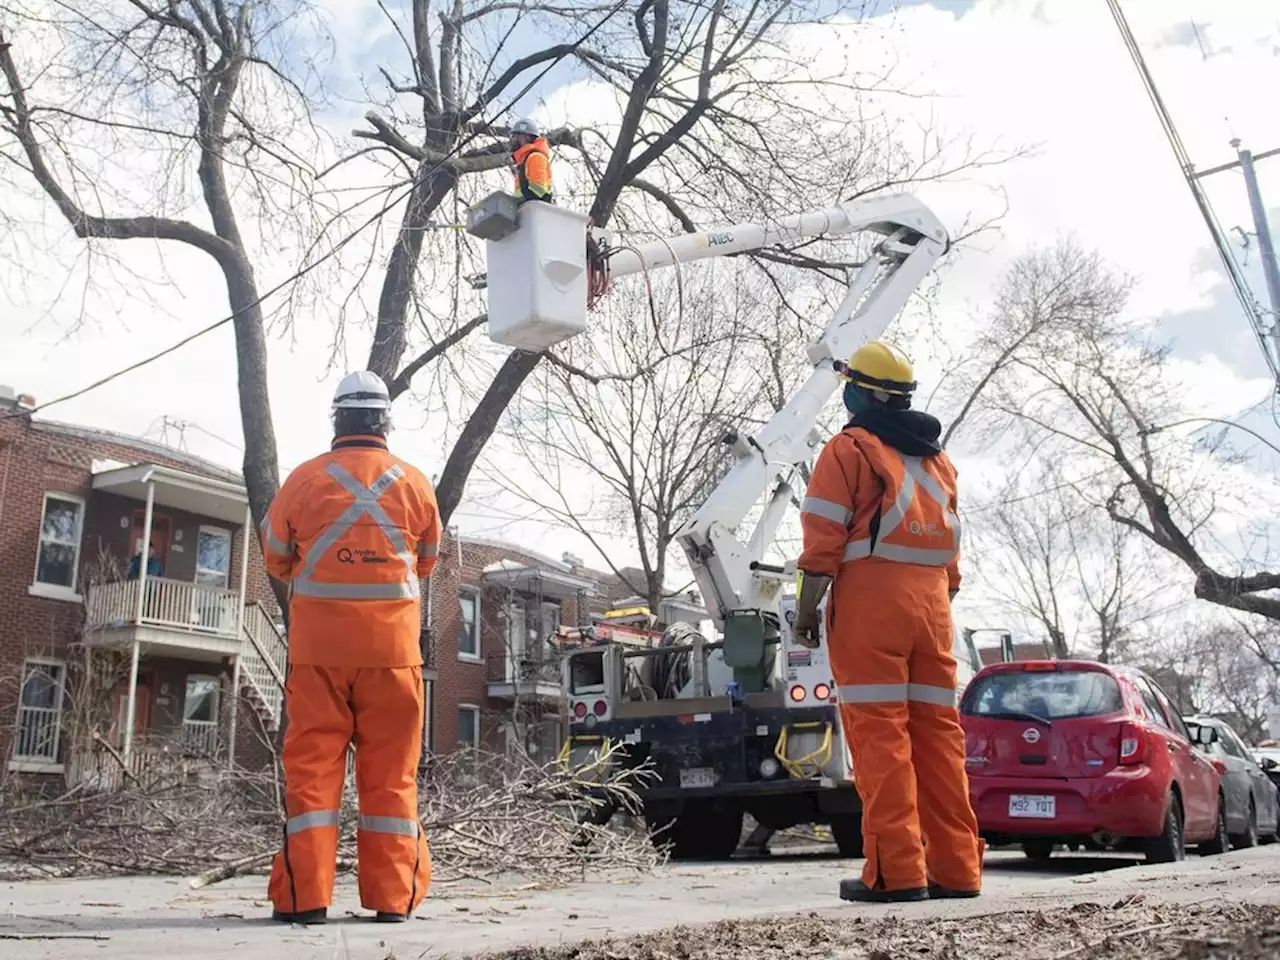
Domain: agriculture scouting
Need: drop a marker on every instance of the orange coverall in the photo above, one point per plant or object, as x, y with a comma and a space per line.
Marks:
533, 171
353, 531
884, 526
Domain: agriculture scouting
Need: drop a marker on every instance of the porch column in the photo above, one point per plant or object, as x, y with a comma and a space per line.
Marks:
235, 713
240, 632
133, 701
244, 569
143, 556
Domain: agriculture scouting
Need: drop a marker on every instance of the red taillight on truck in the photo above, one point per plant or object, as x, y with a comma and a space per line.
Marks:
1133, 743
600, 708
580, 709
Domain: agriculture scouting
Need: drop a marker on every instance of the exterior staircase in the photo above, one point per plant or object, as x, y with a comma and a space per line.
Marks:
263, 662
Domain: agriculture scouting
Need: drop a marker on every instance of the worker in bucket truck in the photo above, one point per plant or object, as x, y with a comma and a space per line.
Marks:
352, 532
530, 162
880, 529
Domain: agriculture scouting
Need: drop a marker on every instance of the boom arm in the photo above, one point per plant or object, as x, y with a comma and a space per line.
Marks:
726, 568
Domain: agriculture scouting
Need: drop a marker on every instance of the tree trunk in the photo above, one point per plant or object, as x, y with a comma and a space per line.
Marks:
480, 426
261, 466
391, 337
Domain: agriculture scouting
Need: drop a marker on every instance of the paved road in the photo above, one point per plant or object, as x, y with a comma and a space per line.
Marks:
133, 917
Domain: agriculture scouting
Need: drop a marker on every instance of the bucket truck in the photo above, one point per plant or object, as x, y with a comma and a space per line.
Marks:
747, 722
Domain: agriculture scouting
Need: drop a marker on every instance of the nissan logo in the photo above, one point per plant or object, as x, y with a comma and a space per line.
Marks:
1031, 735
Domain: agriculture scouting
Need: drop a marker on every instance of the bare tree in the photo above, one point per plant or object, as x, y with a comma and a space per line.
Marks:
648, 429
718, 111
1046, 295
1024, 557
183, 87
1097, 394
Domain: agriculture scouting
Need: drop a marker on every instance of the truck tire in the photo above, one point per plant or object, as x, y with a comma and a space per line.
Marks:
846, 830
704, 830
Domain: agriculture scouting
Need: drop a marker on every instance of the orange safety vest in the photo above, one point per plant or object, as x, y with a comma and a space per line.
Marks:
533, 171
352, 532
868, 502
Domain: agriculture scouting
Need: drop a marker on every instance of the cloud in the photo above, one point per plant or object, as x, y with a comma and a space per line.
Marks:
1049, 73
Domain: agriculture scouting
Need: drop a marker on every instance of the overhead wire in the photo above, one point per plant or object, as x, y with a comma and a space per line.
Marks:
1235, 273
303, 271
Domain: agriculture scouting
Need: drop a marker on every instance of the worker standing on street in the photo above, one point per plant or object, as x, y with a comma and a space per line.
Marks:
879, 520
531, 162
352, 532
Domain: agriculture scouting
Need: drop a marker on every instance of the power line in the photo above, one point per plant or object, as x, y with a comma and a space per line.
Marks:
1235, 274
303, 271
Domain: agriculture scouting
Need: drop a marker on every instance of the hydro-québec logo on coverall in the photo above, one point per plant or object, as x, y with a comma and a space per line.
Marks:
360, 555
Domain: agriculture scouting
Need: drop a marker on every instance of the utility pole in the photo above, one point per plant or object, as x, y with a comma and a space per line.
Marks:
1266, 248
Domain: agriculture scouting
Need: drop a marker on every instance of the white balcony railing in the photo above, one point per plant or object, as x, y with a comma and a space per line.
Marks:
175, 604
200, 737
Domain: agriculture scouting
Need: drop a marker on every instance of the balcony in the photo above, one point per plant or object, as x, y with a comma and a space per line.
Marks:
514, 678
175, 617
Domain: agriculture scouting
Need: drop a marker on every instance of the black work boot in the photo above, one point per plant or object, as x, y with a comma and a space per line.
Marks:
856, 891
938, 892
305, 917
384, 917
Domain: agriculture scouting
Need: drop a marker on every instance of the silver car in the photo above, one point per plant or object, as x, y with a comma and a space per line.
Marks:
1253, 804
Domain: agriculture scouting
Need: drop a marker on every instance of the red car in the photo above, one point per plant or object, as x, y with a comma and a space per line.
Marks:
1087, 754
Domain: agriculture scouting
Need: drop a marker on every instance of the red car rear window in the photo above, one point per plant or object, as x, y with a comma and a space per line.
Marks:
1050, 695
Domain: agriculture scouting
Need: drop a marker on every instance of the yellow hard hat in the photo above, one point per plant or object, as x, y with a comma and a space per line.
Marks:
878, 365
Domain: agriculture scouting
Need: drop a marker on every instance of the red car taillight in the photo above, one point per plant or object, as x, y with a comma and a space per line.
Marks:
1133, 743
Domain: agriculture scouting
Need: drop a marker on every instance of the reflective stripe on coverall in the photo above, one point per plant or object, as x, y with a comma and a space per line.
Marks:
353, 531
533, 171
884, 525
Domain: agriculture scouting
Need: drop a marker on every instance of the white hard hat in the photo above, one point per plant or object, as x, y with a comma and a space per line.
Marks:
525, 126
362, 390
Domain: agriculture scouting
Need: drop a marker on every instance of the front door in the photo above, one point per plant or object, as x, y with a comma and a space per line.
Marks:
144, 701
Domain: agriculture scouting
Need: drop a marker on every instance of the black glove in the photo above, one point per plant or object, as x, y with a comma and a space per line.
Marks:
810, 589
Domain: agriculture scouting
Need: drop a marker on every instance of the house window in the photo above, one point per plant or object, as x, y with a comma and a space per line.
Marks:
200, 714
39, 711
468, 727
59, 552
469, 625
213, 557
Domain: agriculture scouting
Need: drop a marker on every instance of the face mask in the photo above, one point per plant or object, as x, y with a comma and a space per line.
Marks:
856, 399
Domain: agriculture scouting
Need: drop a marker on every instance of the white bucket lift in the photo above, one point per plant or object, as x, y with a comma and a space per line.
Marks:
536, 272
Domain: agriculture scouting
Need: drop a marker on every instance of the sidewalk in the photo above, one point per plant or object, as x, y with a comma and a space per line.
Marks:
132, 917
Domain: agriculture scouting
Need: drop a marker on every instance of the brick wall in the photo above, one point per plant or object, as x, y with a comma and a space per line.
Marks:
39, 458
464, 681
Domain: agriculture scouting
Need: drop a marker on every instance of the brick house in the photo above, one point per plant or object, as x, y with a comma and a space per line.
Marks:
186, 642
77, 601
496, 677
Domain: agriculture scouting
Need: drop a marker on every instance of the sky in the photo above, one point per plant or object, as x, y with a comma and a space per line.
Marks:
1048, 75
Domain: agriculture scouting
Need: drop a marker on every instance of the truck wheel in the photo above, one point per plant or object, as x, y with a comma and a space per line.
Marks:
704, 830
1168, 847
846, 830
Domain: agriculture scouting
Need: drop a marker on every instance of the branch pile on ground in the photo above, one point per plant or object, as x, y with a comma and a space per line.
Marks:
1128, 930
484, 816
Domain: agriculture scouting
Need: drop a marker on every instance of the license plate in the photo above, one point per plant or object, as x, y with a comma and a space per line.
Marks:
1033, 807
697, 777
